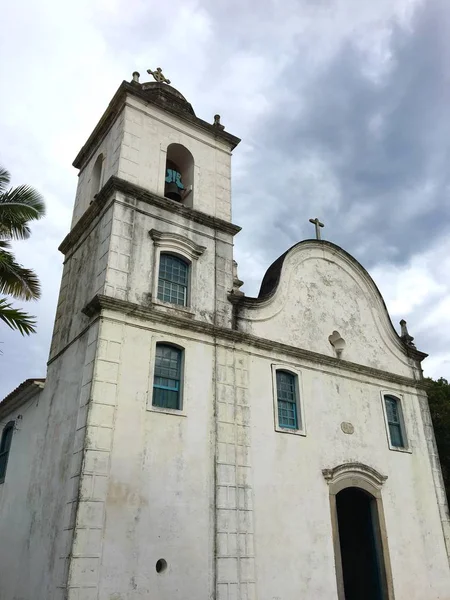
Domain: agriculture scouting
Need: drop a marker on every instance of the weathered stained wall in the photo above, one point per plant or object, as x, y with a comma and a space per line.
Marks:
147, 479
111, 147
148, 132
293, 536
321, 289
132, 263
84, 276
38, 496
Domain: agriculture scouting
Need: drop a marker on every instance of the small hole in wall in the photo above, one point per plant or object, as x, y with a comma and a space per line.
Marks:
161, 565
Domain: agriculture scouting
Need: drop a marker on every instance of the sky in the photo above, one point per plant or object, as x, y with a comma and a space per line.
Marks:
343, 107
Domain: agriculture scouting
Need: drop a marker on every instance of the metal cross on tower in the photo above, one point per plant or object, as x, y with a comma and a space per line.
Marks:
158, 75
318, 225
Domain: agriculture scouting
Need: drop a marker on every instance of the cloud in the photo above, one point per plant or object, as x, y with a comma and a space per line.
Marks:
342, 106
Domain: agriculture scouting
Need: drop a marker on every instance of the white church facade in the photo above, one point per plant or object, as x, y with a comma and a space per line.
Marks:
193, 443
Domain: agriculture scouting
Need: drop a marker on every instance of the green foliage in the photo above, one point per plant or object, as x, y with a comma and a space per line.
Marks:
439, 401
16, 318
18, 206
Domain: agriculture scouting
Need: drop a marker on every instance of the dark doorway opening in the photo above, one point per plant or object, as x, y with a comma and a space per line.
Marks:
360, 543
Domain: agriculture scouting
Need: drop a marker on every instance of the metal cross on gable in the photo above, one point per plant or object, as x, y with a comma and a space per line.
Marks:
158, 76
318, 225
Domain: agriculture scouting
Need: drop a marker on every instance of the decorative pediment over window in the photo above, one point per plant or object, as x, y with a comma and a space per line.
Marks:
177, 243
356, 472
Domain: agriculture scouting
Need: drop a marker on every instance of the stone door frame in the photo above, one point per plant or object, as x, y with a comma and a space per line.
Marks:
368, 479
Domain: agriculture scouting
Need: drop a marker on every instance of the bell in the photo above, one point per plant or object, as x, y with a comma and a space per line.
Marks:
172, 191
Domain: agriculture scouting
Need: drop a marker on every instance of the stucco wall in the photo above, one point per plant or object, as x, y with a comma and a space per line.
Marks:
110, 146
36, 499
133, 260
322, 290
147, 476
293, 537
148, 132
84, 276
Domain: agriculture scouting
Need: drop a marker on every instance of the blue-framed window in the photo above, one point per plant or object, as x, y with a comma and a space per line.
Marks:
167, 377
394, 420
5, 445
173, 279
287, 400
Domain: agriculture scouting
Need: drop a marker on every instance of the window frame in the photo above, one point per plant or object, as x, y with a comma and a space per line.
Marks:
181, 411
185, 249
9, 426
188, 265
301, 420
400, 402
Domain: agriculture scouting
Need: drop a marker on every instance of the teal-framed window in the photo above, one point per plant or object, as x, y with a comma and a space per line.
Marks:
394, 420
287, 400
5, 446
173, 279
167, 377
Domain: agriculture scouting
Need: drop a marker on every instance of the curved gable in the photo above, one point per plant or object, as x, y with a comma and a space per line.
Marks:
315, 289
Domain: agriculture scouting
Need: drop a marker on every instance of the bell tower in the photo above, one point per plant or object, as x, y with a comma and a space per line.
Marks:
148, 269
149, 155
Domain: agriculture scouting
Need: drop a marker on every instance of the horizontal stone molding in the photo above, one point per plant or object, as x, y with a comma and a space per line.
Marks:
116, 184
102, 302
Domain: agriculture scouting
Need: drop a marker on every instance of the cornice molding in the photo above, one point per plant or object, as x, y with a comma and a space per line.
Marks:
102, 302
116, 184
175, 241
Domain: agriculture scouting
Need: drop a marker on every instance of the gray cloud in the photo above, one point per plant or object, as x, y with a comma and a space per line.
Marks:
343, 107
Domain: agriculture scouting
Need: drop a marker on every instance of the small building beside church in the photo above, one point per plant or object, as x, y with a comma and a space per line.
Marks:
192, 443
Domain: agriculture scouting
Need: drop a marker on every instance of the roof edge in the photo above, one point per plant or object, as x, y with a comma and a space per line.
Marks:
23, 392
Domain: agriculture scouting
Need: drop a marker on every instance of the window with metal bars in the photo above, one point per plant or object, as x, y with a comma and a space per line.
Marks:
288, 417
173, 279
167, 377
394, 419
5, 445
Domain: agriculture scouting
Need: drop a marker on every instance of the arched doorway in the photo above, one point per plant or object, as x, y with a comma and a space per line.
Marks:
360, 545
363, 570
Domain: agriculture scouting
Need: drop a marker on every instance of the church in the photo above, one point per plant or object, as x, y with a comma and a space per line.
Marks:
192, 443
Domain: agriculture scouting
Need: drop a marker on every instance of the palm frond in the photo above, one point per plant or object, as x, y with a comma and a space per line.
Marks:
16, 318
5, 178
18, 206
15, 280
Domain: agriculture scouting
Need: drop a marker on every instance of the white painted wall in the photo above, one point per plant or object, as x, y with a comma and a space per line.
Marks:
133, 261
148, 132
36, 498
293, 537
321, 290
160, 496
135, 149
110, 146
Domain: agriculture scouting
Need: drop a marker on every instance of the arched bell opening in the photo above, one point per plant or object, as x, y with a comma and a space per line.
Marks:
179, 174
96, 179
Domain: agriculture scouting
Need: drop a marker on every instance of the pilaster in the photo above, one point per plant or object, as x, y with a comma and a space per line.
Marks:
235, 568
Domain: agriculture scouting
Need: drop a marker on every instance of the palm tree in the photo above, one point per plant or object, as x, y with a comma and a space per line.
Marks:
18, 206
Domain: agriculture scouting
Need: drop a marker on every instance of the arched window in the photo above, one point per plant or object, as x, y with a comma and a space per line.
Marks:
96, 180
173, 279
287, 401
167, 377
394, 420
5, 445
179, 175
